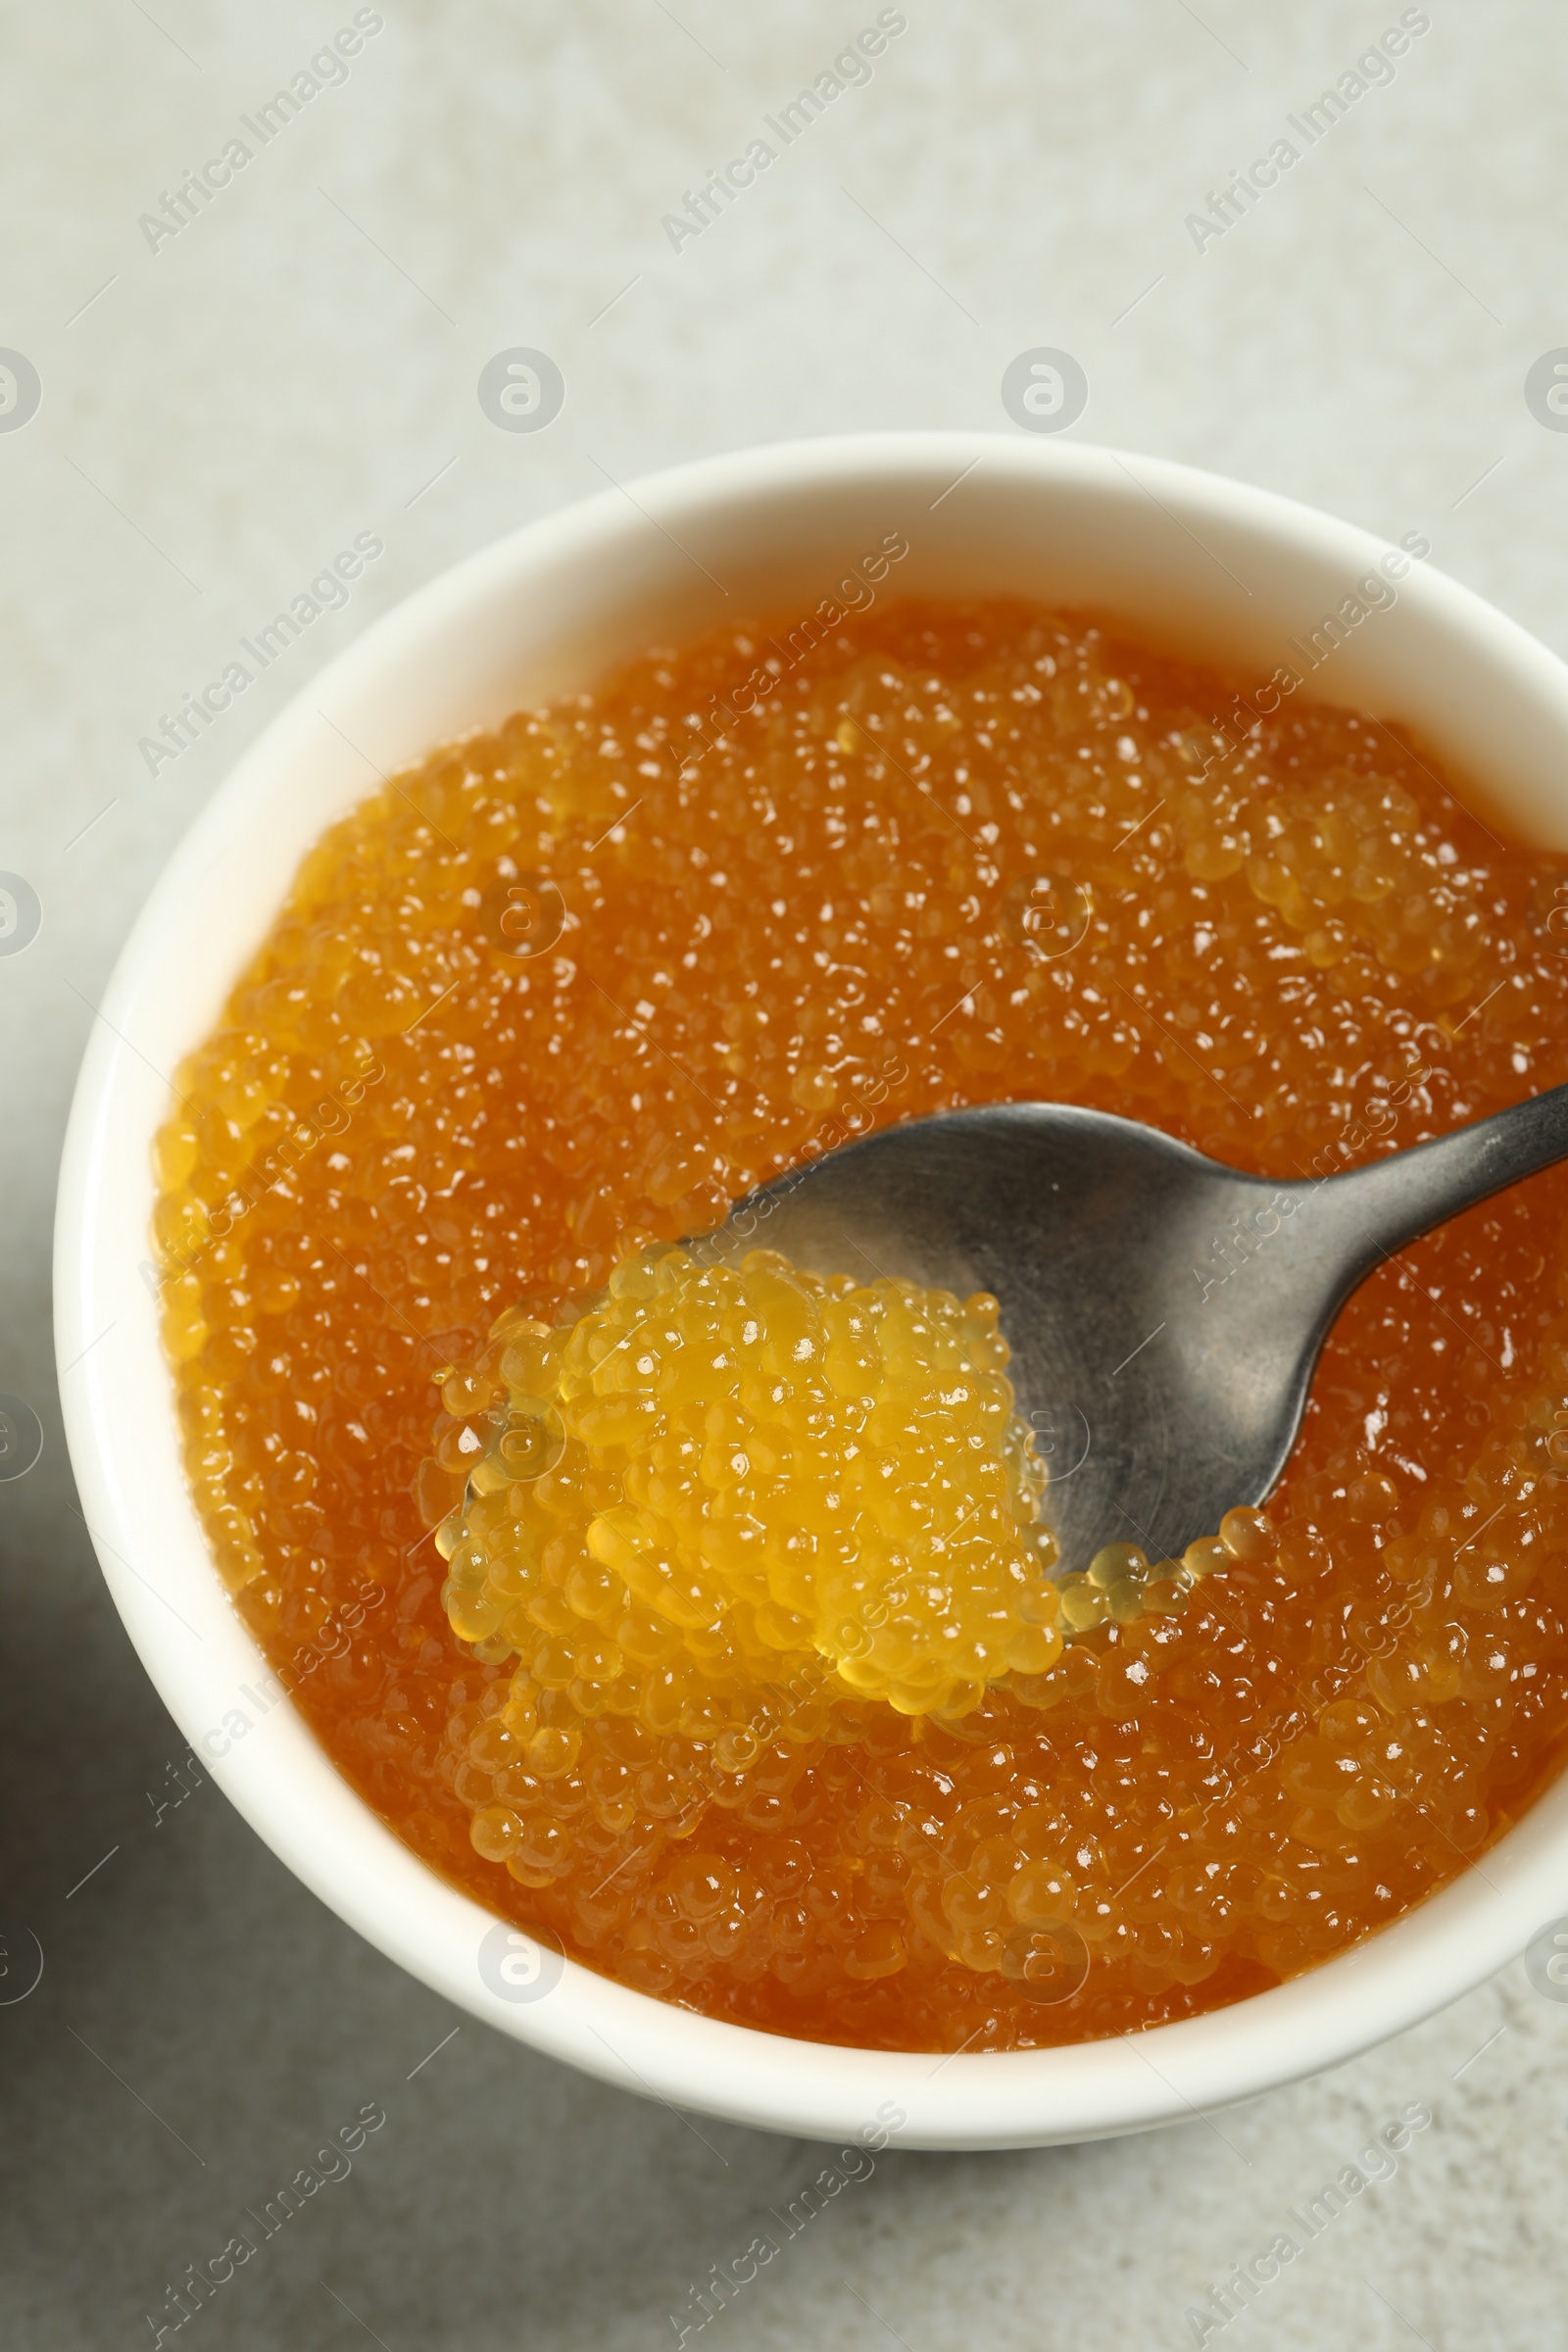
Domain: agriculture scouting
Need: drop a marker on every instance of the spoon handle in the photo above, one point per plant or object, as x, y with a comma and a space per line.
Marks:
1394, 1200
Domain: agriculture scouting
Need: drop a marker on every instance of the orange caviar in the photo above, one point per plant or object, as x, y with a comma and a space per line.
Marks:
901, 1562
555, 998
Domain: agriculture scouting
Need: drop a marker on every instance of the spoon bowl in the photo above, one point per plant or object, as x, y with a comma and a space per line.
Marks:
1165, 1312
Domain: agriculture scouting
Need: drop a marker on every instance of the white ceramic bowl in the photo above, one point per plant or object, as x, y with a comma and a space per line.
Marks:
1185, 557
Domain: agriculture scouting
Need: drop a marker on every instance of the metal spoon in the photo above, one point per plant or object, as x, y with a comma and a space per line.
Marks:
1164, 1312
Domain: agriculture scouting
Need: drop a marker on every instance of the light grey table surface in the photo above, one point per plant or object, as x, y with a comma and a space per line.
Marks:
222, 411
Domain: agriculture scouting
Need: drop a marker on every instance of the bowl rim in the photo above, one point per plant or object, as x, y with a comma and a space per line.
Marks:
282, 1782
